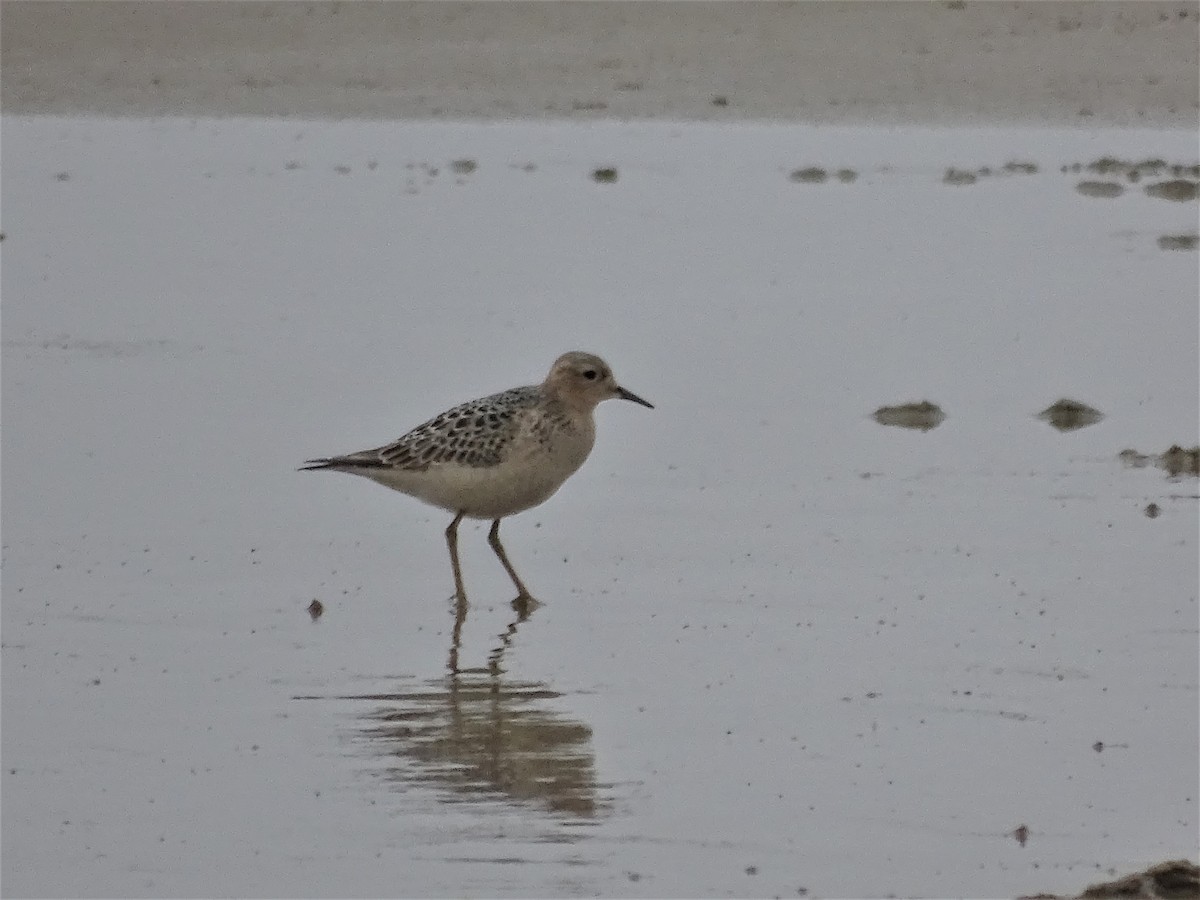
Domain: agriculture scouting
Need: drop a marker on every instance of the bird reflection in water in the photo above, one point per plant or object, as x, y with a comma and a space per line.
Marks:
477, 734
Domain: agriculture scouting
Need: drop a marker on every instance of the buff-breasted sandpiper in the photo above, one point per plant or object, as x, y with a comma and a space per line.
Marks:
496, 456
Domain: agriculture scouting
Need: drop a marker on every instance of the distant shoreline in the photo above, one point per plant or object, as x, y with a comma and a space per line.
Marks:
1124, 64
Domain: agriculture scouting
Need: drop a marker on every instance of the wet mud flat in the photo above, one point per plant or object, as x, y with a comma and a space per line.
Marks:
772, 633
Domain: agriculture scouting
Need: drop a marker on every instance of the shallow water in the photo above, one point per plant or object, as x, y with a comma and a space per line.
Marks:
782, 650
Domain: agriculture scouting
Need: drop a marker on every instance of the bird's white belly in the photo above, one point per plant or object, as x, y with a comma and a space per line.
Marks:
520, 482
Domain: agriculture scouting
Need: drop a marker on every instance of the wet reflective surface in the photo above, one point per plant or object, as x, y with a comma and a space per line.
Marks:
479, 735
781, 650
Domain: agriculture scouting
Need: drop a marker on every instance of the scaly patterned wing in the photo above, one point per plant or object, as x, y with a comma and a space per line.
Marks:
471, 434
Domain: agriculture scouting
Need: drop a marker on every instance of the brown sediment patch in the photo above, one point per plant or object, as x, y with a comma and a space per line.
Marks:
959, 177
315, 609
1175, 461
809, 175
922, 416
1178, 461
604, 175
1179, 241
1070, 415
1176, 879
1103, 189
1136, 170
1179, 190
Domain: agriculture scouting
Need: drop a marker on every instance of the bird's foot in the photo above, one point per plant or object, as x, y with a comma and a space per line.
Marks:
524, 606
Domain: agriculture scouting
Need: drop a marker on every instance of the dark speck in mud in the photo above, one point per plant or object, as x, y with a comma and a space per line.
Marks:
1152, 511
845, 176
1021, 833
959, 177
315, 609
1180, 190
1070, 415
1020, 168
1179, 241
922, 416
1102, 189
719, 101
809, 175
463, 166
62, 176
604, 176
588, 105
342, 170
629, 86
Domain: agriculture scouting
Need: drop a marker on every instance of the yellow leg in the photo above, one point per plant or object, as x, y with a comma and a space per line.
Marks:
494, 539
452, 542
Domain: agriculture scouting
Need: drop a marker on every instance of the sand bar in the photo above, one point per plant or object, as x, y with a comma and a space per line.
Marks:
945, 62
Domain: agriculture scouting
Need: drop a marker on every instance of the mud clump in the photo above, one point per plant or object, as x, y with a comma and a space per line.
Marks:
1178, 241
810, 175
959, 177
1176, 461
606, 175
1176, 879
1101, 189
1070, 415
922, 416
1135, 169
1020, 168
463, 166
1180, 190
315, 609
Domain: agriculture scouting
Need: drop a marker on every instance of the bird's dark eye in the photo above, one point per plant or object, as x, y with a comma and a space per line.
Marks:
590, 374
